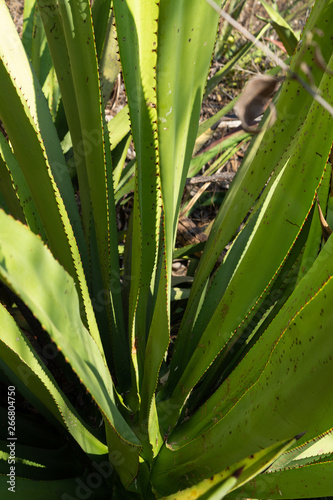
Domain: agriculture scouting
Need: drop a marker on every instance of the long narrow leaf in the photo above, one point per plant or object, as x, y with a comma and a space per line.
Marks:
50, 294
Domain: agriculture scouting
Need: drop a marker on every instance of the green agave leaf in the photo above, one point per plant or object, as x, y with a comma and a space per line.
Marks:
28, 25
51, 90
265, 151
21, 91
17, 192
254, 361
50, 294
90, 140
54, 30
33, 432
314, 241
119, 338
119, 126
77, 28
118, 159
184, 34
241, 472
201, 159
19, 358
39, 450
31, 128
136, 28
55, 240
101, 14
110, 64
311, 480
120, 137
39, 463
7, 189
25, 95
257, 463
195, 491
281, 284
281, 397
182, 30
318, 448
64, 489
126, 181
188, 250
156, 346
257, 319
35, 43
283, 29
269, 244
40, 55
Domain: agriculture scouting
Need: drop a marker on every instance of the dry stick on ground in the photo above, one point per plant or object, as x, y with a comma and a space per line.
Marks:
223, 177
312, 91
195, 198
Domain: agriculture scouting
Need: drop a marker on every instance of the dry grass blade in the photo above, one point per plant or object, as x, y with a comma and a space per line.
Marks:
194, 199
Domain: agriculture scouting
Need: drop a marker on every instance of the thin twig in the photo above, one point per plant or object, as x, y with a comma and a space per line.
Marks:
223, 177
197, 195
312, 91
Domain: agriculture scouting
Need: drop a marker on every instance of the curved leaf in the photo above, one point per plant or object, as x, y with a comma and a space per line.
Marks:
23, 362
50, 293
260, 161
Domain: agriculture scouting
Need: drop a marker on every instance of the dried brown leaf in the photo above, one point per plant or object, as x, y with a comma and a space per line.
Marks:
254, 99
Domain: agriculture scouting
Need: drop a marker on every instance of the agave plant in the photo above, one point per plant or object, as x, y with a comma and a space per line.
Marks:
238, 403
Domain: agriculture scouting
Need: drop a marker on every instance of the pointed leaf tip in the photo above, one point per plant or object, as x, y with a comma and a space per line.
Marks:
301, 434
238, 472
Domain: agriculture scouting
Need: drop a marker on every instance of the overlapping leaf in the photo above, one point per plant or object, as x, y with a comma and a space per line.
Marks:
47, 289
